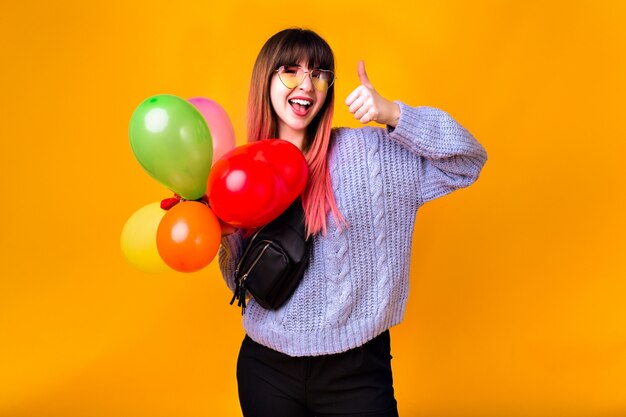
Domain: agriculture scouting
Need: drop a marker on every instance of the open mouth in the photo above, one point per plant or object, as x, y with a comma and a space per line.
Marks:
300, 106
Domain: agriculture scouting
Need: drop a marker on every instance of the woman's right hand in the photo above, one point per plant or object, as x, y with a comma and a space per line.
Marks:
368, 106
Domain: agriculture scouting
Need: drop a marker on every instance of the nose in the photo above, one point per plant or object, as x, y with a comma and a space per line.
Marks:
307, 83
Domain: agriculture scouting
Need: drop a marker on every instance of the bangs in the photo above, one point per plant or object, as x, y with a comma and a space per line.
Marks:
307, 46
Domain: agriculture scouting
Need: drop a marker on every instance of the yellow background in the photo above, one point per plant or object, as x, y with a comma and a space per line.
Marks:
518, 292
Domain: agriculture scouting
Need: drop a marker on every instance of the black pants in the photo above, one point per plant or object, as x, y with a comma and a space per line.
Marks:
353, 383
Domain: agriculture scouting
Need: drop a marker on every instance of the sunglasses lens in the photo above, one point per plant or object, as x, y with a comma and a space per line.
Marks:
322, 79
291, 76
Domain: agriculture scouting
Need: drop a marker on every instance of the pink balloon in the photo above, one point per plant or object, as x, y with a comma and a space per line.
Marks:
222, 131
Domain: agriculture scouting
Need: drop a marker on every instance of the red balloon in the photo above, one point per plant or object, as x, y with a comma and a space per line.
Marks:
252, 184
188, 236
289, 164
243, 192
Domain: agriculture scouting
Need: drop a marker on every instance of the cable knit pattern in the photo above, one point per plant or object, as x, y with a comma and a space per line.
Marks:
380, 228
357, 282
338, 287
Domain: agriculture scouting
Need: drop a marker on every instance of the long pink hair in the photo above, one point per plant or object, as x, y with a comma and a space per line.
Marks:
289, 47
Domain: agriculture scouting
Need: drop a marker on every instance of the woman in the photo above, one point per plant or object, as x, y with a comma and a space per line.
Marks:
327, 351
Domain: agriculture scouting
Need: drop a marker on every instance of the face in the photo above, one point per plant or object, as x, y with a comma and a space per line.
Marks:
295, 107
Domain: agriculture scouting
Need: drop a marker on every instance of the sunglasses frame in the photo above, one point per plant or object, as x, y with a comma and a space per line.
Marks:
310, 73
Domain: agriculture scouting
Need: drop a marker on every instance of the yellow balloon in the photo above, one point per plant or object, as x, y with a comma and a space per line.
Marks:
138, 239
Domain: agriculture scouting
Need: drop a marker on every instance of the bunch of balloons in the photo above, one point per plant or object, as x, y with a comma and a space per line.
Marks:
176, 141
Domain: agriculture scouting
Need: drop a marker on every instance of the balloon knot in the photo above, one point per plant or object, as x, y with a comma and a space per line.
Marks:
168, 203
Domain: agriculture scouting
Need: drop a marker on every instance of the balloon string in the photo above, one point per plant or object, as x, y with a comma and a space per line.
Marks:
168, 203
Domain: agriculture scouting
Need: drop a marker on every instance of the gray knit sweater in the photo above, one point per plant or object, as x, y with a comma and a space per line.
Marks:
357, 282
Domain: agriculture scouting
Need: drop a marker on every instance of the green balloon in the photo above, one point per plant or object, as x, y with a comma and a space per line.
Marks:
172, 142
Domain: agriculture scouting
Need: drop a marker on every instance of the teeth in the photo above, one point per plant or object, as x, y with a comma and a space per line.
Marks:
301, 102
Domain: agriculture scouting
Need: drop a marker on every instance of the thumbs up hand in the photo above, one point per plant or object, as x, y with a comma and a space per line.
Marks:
369, 106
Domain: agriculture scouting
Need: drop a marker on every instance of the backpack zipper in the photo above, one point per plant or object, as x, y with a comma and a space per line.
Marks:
240, 290
247, 250
243, 278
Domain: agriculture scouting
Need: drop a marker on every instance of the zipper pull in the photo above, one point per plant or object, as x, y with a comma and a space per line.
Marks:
240, 294
236, 292
242, 302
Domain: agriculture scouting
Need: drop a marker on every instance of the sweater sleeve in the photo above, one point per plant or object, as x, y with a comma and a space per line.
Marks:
451, 157
229, 254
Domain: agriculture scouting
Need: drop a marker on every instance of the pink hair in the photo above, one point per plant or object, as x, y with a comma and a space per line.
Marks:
289, 47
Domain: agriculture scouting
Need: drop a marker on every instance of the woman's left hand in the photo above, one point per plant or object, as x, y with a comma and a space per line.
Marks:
369, 106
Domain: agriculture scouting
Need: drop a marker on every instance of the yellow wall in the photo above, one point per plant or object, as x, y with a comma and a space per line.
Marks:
518, 283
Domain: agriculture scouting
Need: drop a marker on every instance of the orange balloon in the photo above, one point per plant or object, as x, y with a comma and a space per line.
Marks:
188, 236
